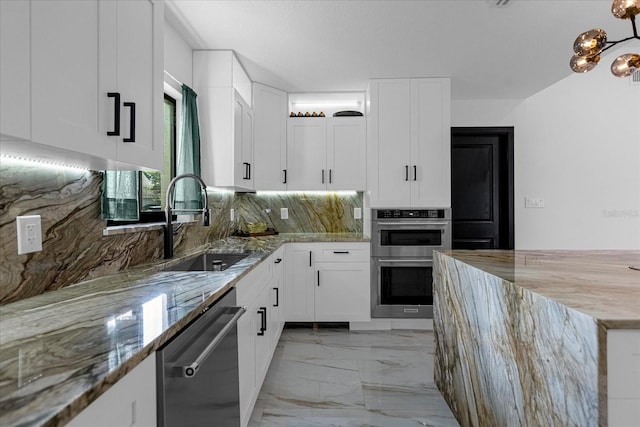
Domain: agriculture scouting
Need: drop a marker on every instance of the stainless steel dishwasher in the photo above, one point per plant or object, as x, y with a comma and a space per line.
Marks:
198, 370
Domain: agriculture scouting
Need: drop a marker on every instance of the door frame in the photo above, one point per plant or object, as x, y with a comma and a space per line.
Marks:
506, 134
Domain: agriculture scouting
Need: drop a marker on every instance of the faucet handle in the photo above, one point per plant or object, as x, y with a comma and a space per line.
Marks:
206, 217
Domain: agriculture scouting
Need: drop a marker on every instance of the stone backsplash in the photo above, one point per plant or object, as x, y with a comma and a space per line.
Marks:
74, 248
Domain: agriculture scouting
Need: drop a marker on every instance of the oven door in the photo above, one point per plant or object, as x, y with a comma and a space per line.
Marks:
402, 288
409, 238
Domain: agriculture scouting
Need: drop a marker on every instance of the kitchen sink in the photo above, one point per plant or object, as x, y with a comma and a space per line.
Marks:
209, 262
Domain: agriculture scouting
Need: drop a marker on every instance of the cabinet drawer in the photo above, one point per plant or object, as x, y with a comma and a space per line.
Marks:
250, 285
343, 252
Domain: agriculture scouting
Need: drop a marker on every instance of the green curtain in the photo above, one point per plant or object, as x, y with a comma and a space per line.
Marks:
120, 196
188, 194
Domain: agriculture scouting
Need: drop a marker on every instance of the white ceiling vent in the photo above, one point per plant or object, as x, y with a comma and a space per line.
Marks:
634, 78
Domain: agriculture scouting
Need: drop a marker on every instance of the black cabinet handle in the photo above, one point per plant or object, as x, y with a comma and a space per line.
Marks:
277, 261
318, 277
246, 170
132, 123
406, 172
277, 304
340, 252
285, 176
330, 172
323, 176
249, 171
116, 114
415, 173
309, 258
263, 320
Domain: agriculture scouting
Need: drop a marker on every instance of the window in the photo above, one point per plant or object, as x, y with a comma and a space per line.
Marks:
152, 185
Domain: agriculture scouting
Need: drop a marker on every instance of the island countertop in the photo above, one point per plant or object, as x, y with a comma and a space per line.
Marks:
598, 283
537, 337
61, 350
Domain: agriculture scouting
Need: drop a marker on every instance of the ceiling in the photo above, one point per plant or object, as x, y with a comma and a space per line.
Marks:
490, 52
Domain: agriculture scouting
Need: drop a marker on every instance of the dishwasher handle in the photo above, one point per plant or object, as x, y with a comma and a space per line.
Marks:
190, 370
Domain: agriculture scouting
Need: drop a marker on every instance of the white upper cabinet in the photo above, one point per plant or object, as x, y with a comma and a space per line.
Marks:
270, 138
15, 66
66, 80
306, 154
326, 153
139, 73
408, 161
80, 52
226, 120
346, 153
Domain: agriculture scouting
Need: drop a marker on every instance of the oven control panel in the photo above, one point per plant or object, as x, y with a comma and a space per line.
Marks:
409, 213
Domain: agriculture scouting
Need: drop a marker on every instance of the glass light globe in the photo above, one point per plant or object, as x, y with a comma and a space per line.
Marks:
625, 65
625, 9
590, 42
582, 64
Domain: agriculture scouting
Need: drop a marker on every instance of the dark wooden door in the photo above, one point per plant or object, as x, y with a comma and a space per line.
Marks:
482, 188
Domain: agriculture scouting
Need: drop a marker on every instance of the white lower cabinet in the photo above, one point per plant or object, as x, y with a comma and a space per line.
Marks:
259, 328
129, 402
327, 282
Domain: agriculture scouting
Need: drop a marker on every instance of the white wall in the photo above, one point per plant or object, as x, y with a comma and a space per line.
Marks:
177, 56
577, 146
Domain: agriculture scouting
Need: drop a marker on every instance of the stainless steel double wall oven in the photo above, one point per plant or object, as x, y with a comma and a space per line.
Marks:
402, 245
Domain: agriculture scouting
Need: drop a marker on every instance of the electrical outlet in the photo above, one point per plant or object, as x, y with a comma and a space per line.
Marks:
284, 213
357, 213
29, 234
232, 214
530, 202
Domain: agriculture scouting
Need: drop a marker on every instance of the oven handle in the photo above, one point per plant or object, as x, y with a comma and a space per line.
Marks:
406, 261
190, 370
382, 224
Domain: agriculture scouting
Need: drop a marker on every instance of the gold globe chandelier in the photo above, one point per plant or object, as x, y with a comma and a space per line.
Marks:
590, 44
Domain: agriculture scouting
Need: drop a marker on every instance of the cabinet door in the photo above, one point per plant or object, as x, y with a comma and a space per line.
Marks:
15, 64
389, 156
346, 153
431, 143
299, 282
67, 83
270, 138
342, 292
139, 79
246, 360
129, 402
246, 146
306, 154
264, 334
242, 143
277, 295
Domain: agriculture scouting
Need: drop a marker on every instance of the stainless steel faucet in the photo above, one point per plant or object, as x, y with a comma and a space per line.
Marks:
168, 227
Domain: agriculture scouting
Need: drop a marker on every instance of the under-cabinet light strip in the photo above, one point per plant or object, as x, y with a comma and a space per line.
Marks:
32, 162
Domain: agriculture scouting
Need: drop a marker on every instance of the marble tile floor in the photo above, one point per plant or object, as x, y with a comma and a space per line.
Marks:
336, 377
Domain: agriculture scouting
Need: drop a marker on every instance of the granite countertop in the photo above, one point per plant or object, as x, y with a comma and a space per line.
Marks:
595, 282
61, 350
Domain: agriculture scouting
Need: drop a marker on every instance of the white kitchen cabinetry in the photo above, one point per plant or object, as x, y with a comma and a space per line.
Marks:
270, 138
327, 282
326, 153
226, 120
129, 402
81, 52
409, 152
15, 65
259, 328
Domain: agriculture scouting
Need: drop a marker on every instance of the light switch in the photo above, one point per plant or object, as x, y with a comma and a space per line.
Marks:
29, 234
232, 214
357, 213
284, 213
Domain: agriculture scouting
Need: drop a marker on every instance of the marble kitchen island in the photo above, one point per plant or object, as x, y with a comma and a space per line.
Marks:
538, 337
